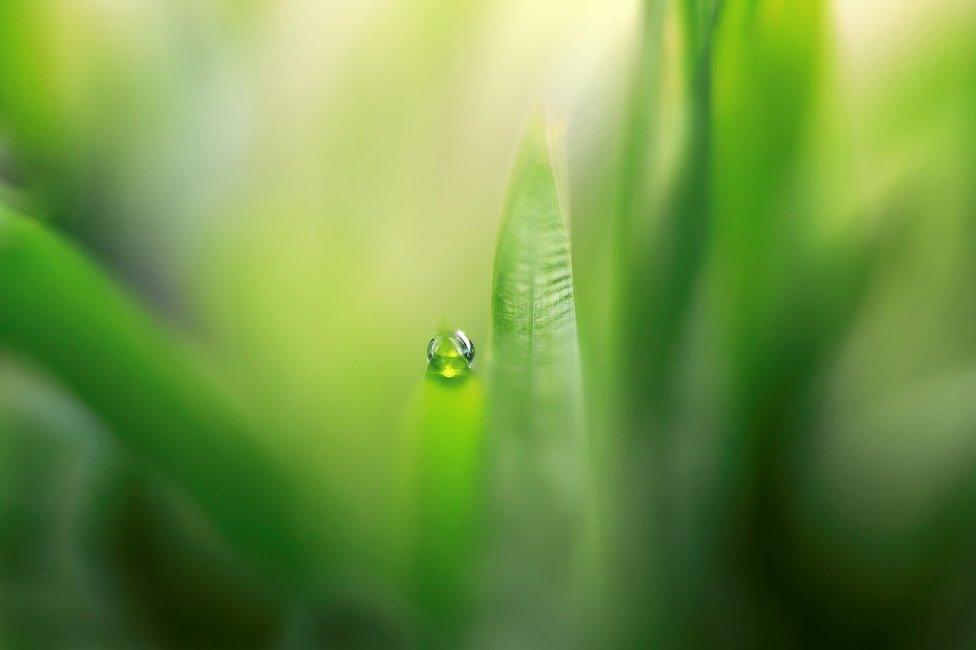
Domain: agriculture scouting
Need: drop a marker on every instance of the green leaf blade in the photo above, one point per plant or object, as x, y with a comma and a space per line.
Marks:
59, 310
442, 495
535, 431
533, 308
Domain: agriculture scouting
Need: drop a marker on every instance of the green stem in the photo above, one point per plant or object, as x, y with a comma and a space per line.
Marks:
444, 485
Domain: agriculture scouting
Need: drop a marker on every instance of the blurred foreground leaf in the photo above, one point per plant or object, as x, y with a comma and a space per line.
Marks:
50, 461
664, 230
444, 484
60, 311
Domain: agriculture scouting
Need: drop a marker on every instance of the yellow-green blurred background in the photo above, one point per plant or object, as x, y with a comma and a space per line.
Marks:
772, 209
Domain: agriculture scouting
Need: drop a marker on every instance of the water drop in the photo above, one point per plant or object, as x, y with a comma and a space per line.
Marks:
450, 354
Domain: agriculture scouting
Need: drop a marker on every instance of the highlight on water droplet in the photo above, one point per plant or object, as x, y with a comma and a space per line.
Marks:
450, 354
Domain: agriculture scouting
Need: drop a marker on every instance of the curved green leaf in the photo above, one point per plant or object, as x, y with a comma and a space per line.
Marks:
58, 310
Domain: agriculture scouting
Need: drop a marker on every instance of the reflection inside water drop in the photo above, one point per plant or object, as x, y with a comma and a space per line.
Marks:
450, 354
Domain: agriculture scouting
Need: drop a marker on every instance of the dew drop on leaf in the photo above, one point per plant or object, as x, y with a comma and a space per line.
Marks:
450, 354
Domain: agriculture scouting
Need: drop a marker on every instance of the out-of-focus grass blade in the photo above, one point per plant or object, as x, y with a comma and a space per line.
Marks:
768, 71
443, 492
535, 436
47, 467
768, 68
890, 468
780, 296
59, 310
663, 230
664, 226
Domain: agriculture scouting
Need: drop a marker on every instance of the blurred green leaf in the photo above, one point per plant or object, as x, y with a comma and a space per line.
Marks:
536, 439
775, 308
664, 228
443, 494
664, 223
60, 311
885, 484
50, 464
